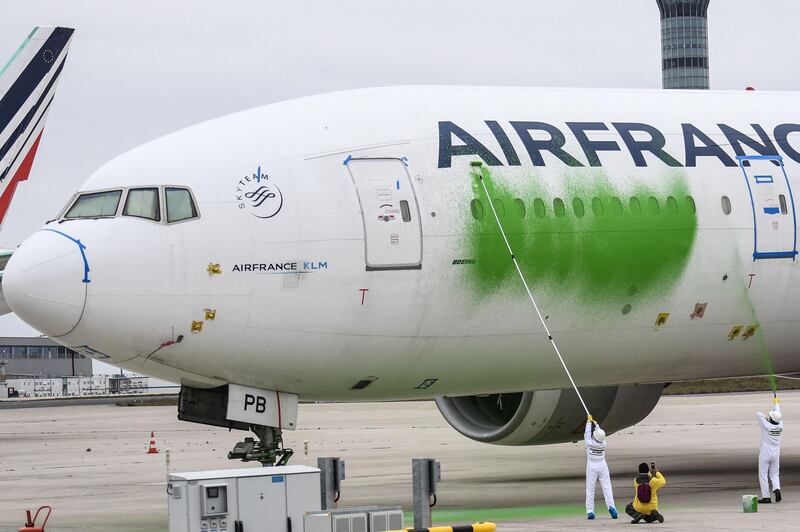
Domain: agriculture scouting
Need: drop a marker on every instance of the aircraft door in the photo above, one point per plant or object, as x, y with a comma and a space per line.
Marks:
392, 224
774, 218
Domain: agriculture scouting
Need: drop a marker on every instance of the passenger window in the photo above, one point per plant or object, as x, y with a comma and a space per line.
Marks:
499, 208
95, 204
558, 208
577, 207
616, 207
597, 206
538, 208
726, 205
179, 205
691, 205
142, 203
782, 200
405, 212
652, 204
636, 207
672, 205
520, 207
476, 207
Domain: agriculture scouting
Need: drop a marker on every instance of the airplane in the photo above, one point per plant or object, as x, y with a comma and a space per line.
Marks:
28, 82
341, 247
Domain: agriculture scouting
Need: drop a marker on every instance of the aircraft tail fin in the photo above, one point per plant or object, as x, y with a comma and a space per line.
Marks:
27, 86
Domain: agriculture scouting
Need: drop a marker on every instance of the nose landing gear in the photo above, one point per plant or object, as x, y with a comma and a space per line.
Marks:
221, 408
268, 450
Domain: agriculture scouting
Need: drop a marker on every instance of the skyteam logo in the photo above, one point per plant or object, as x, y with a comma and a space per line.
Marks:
259, 195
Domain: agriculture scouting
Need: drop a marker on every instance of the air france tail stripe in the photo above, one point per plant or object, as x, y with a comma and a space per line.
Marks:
22, 147
21, 175
23, 125
33, 75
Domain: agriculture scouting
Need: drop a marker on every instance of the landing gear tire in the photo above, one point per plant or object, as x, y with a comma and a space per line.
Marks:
268, 450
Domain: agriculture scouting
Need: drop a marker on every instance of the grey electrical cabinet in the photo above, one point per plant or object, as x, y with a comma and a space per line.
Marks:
264, 499
384, 519
366, 519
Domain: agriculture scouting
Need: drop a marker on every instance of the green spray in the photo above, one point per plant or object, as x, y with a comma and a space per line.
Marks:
597, 242
769, 367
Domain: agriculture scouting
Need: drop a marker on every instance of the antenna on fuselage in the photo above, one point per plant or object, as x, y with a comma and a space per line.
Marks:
477, 168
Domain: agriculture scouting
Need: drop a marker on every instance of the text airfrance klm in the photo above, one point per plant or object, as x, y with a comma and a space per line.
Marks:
308, 266
594, 138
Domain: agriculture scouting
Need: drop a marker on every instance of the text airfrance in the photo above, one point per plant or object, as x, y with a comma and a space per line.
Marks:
638, 139
308, 266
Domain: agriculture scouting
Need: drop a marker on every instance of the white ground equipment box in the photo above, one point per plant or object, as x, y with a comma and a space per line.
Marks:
368, 519
264, 499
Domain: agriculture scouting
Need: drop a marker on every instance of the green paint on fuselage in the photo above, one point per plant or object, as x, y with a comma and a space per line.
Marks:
600, 248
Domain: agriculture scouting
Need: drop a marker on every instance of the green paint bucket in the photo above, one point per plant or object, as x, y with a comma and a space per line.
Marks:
749, 504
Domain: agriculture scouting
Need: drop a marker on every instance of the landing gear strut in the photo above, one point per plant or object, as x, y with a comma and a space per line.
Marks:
211, 406
268, 450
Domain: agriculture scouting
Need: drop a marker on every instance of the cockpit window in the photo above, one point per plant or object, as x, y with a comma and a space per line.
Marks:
143, 203
179, 205
95, 204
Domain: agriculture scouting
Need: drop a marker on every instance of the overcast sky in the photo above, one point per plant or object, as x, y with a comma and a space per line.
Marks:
138, 69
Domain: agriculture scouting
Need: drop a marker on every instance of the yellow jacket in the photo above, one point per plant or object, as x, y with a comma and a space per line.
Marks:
656, 482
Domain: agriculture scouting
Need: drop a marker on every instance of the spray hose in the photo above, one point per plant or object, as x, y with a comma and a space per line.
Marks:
528, 290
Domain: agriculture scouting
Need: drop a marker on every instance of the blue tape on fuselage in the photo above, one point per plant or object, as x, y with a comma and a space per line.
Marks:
82, 249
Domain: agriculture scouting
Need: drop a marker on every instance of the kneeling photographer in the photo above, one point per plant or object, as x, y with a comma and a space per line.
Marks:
645, 498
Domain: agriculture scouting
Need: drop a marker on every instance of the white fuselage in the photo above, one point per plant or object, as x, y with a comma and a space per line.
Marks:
328, 281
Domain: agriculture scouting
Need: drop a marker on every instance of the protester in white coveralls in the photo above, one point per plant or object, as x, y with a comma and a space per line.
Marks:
769, 458
596, 468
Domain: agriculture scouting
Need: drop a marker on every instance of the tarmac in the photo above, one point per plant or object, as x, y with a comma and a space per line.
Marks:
89, 462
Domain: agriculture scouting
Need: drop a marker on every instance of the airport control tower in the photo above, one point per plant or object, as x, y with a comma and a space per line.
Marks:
684, 44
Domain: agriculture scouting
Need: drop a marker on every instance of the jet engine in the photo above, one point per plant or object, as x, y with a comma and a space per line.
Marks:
547, 416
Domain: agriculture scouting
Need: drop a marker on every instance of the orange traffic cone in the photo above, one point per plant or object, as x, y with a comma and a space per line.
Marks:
152, 449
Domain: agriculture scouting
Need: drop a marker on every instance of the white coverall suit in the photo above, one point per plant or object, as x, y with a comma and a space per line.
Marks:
769, 458
596, 469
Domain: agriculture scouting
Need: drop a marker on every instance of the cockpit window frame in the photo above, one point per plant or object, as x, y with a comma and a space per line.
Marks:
124, 194
165, 213
159, 209
162, 206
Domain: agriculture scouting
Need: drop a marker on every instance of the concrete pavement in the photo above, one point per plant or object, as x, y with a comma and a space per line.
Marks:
89, 462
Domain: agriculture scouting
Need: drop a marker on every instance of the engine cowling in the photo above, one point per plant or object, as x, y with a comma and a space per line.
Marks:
547, 416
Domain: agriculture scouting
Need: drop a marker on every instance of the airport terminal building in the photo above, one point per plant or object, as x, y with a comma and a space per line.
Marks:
41, 358
39, 367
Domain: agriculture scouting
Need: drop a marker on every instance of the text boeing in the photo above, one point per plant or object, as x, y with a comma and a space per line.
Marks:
540, 137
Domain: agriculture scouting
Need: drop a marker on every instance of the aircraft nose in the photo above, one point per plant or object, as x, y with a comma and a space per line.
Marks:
46, 280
